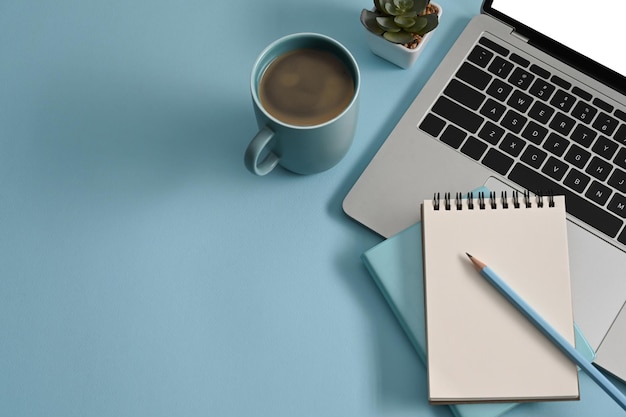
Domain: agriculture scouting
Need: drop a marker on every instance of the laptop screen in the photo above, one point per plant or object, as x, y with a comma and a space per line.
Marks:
582, 33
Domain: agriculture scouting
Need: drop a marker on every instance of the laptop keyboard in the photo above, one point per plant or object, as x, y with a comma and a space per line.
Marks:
538, 130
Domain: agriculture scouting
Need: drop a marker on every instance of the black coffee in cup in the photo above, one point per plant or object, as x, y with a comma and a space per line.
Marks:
306, 87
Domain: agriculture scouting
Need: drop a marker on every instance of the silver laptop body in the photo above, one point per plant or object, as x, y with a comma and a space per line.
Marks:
411, 164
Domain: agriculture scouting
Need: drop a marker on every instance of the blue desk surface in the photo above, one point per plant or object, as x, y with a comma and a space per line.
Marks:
143, 270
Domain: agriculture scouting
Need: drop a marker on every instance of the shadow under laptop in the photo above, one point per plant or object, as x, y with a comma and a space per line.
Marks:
372, 132
387, 91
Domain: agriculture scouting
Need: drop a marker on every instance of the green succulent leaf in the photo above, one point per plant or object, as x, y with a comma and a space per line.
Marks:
391, 9
405, 21
398, 37
432, 21
418, 26
420, 5
368, 19
387, 24
403, 5
408, 14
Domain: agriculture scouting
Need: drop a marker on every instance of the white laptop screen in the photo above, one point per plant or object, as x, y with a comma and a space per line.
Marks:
587, 28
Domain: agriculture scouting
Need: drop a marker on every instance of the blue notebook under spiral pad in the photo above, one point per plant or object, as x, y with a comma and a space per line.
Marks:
396, 267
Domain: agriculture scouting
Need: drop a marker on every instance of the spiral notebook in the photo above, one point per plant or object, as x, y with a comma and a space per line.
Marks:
398, 273
479, 347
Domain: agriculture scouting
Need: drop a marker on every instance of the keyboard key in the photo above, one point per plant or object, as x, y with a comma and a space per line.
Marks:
620, 158
536, 69
457, 114
535, 133
514, 121
491, 133
584, 112
498, 161
561, 82
605, 147
474, 148
493, 46
499, 89
620, 135
534, 156
542, 89
605, 124
577, 206
500, 67
473, 76
562, 124
599, 168
523, 62
618, 180
598, 193
583, 135
581, 93
453, 136
512, 144
493, 110
555, 168
541, 112
480, 56
576, 180
620, 115
618, 205
563, 101
603, 105
520, 101
556, 144
577, 156
464, 94
432, 125
521, 78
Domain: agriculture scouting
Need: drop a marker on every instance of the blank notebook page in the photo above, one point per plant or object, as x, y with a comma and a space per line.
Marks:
479, 347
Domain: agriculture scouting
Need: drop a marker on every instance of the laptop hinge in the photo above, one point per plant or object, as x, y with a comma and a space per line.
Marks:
519, 36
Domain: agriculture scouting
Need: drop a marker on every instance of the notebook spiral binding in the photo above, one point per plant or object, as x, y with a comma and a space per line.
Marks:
481, 200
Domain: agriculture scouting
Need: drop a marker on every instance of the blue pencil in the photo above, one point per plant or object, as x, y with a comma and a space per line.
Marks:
550, 332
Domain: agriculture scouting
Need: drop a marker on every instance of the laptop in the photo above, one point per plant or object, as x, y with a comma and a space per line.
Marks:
528, 98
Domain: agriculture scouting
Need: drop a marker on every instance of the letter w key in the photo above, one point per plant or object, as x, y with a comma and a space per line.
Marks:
520, 101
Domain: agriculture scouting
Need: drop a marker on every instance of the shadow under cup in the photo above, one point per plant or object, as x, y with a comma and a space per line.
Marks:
303, 149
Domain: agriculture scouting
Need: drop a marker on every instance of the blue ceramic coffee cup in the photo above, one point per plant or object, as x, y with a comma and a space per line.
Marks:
301, 148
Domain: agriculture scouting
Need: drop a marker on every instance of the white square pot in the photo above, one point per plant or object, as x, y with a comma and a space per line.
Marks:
396, 53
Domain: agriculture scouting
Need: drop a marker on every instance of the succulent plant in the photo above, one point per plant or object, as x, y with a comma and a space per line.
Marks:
399, 21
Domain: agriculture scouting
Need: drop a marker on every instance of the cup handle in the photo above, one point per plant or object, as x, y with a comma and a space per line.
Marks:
254, 150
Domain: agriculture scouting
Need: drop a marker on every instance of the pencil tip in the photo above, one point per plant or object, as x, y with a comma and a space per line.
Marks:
479, 264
